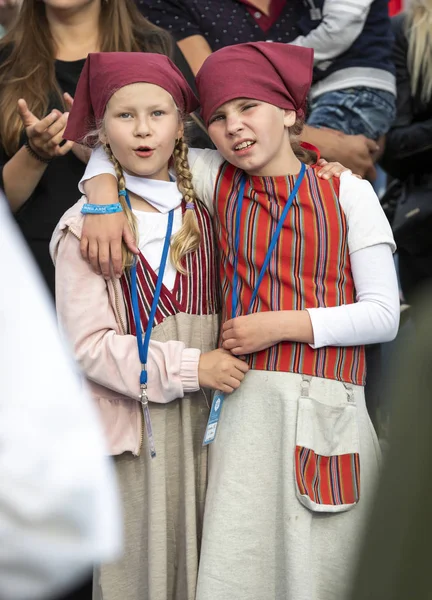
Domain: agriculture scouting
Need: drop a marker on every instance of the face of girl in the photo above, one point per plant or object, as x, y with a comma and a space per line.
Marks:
253, 136
141, 125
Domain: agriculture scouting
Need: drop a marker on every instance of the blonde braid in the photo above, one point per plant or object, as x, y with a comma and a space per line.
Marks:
188, 238
127, 255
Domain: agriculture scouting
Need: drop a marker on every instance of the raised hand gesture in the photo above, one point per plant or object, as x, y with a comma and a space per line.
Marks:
45, 136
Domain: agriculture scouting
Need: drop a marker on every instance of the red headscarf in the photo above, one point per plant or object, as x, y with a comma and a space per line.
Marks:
280, 74
106, 72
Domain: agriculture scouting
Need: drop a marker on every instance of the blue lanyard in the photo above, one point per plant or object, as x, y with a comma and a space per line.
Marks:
273, 242
143, 344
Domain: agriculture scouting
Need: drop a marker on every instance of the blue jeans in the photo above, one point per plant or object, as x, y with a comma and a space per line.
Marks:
354, 111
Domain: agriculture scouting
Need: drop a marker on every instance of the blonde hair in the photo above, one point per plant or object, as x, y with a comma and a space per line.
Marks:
419, 34
188, 238
304, 154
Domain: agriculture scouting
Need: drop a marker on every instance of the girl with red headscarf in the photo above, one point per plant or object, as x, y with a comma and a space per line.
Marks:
307, 280
147, 341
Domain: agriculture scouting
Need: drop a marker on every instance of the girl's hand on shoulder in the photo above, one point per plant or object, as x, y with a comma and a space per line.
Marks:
220, 370
251, 333
331, 169
101, 240
101, 243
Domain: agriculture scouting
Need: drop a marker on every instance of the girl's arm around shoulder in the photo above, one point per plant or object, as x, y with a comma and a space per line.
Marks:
106, 355
102, 235
204, 166
99, 164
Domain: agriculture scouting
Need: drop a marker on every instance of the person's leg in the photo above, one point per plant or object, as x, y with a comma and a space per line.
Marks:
354, 111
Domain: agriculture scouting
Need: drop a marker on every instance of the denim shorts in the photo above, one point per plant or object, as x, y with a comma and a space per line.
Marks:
354, 111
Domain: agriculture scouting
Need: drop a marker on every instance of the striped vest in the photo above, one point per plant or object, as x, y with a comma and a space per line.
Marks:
310, 265
194, 292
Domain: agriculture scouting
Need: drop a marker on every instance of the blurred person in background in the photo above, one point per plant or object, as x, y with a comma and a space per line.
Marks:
59, 506
395, 7
41, 59
8, 12
408, 152
354, 89
395, 562
353, 74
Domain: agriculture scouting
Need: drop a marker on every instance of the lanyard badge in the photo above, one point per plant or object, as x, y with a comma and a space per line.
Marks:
144, 341
219, 397
213, 421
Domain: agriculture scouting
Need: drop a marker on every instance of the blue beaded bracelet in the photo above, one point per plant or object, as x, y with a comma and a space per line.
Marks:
101, 209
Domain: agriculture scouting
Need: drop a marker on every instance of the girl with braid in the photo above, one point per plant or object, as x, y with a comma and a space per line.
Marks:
147, 340
307, 279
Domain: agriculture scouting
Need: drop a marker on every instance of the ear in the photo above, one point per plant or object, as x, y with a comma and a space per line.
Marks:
290, 118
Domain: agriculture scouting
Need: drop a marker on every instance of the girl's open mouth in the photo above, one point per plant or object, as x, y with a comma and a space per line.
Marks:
144, 151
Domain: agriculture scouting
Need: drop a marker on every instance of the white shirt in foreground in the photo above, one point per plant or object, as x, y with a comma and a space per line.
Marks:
374, 318
59, 506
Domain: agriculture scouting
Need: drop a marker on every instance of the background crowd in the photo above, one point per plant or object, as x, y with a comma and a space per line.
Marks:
370, 106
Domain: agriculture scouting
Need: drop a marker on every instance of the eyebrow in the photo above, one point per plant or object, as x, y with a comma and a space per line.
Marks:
217, 114
161, 104
243, 101
127, 107
238, 103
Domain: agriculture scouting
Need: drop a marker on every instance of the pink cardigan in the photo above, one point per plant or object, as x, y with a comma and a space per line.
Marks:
91, 311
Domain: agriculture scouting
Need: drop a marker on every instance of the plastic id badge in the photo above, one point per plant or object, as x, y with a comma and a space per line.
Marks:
213, 421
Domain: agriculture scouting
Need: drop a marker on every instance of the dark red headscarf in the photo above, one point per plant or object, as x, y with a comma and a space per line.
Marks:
280, 74
106, 72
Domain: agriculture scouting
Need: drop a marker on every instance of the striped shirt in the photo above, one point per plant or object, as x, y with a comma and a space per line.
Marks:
194, 292
309, 268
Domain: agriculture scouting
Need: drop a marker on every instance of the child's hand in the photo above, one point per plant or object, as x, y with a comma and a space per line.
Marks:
220, 370
251, 333
101, 242
330, 169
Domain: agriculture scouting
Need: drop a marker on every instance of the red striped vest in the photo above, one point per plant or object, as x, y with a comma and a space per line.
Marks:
194, 292
310, 266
